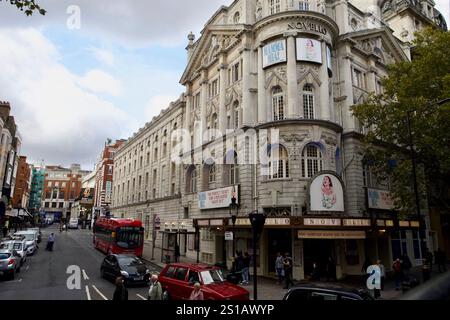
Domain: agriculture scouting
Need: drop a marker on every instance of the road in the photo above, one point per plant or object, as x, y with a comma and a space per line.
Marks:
44, 276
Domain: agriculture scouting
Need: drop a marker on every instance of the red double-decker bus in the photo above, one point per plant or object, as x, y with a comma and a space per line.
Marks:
119, 236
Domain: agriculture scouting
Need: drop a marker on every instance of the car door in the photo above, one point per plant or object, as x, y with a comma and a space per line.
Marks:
180, 283
188, 287
108, 266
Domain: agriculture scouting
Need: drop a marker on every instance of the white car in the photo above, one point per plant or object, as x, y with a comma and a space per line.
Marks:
31, 240
73, 223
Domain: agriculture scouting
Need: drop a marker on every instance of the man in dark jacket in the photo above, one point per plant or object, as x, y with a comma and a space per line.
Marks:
288, 265
121, 293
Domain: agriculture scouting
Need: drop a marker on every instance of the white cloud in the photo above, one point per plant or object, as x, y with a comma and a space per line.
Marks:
59, 121
100, 82
156, 104
103, 56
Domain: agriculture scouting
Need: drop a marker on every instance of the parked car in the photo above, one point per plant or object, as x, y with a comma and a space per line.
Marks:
326, 292
39, 240
9, 263
178, 279
19, 244
130, 267
73, 223
31, 240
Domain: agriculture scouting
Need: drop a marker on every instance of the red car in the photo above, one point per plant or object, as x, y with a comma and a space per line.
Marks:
178, 279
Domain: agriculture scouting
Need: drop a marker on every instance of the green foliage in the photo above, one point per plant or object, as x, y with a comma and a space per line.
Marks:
27, 6
413, 88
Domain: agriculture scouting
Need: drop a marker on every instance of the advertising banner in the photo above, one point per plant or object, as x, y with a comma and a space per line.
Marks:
219, 198
274, 52
309, 50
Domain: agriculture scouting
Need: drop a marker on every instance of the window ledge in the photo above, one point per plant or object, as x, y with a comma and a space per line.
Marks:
278, 180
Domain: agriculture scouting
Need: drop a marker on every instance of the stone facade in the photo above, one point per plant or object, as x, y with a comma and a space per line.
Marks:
266, 67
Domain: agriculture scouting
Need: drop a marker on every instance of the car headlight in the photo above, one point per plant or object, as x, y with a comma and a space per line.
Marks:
124, 273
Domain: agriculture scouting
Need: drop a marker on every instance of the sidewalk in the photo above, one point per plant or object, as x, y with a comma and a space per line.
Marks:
268, 289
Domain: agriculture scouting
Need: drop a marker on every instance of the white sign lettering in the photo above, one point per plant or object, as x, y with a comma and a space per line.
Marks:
274, 52
380, 199
322, 222
219, 198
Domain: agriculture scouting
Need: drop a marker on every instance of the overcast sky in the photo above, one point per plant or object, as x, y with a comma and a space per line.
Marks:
71, 89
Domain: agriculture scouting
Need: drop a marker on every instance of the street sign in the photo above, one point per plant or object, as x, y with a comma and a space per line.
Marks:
228, 236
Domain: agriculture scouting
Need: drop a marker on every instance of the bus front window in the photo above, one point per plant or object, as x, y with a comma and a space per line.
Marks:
129, 238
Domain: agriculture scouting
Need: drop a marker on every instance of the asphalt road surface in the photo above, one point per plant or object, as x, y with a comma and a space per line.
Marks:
44, 276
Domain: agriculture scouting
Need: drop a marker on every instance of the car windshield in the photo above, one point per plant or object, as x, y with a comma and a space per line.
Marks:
212, 276
130, 262
4, 256
28, 236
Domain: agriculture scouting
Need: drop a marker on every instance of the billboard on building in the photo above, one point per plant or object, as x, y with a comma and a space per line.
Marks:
274, 52
219, 198
309, 50
326, 194
380, 199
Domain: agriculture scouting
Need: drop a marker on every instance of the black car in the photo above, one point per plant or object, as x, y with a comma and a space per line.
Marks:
130, 267
326, 292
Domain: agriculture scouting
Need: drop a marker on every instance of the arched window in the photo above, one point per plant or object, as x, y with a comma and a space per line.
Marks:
308, 102
232, 172
191, 180
274, 6
312, 162
278, 163
236, 115
278, 103
237, 17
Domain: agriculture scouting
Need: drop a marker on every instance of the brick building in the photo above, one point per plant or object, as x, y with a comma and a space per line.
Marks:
23, 183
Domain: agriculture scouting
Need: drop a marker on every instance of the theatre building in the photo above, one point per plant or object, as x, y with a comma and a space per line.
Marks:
267, 112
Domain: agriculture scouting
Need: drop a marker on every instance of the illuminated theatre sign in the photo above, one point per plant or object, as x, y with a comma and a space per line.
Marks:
307, 26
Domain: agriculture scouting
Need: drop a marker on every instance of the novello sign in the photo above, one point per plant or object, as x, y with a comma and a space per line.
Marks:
307, 26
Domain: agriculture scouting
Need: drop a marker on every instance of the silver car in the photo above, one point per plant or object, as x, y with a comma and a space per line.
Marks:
31, 239
19, 244
9, 263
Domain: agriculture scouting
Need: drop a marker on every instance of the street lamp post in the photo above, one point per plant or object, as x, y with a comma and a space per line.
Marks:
234, 211
197, 240
414, 172
257, 220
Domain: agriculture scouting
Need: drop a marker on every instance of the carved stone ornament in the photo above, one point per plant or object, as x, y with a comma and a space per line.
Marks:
329, 139
276, 76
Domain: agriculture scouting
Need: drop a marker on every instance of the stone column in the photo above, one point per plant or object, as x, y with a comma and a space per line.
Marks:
345, 75
262, 108
371, 77
293, 107
324, 91
247, 106
189, 107
222, 99
203, 102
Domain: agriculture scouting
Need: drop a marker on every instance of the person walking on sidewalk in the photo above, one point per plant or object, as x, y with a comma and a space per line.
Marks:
426, 270
245, 268
197, 294
50, 242
288, 270
279, 268
428, 256
121, 293
155, 291
382, 273
398, 273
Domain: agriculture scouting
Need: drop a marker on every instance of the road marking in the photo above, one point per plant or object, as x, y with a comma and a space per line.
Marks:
98, 291
87, 293
139, 296
85, 276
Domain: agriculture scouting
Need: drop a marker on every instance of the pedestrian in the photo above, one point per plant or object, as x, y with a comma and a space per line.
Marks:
331, 269
155, 291
315, 272
398, 273
50, 242
426, 270
441, 260
121, 293
406, 264
245, 268
429, 257
177, 253
382, 273
287, 263
279, 268
5, 231
197, 294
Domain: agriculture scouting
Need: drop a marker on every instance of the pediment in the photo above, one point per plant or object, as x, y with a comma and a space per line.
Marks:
214, 40
380, 43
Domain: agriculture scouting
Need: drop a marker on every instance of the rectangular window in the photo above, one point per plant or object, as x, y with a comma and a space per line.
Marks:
148, 158
214, 88
275, 6
358, 78
172, 189
236, 72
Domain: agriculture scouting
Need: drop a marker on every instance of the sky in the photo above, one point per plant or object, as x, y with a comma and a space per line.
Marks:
91, 70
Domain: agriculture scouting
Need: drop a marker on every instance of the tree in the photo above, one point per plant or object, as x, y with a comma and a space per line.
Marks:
413, 89
28, 6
